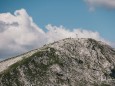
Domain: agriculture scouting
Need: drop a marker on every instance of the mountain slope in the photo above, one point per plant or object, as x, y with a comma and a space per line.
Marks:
68, 62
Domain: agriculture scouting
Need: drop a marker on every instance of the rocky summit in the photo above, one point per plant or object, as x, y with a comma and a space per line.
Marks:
68, 62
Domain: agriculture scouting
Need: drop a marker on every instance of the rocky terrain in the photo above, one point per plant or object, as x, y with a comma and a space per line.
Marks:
68, 62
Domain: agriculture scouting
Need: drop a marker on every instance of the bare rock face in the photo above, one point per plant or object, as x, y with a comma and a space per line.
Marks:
68, 62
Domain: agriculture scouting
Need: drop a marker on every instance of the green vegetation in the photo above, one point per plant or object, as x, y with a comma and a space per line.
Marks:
12, 75
104, 84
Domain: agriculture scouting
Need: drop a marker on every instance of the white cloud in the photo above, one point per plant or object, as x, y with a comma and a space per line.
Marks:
56, 33
102, 3
18, 33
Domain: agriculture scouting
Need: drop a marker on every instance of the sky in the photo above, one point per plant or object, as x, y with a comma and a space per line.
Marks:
29, 24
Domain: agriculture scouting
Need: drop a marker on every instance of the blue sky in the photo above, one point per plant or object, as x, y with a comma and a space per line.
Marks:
69, 13
87, 18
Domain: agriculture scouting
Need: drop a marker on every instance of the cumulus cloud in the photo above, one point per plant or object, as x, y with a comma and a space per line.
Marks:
102, 3
18, 34
56, 33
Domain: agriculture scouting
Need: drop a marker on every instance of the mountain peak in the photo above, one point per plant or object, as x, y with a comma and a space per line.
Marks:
68, 62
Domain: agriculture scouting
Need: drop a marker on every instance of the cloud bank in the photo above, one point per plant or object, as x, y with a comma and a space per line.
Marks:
18, 34
102, 3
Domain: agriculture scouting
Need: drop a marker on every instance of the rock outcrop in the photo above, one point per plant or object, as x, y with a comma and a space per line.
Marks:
68, 62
